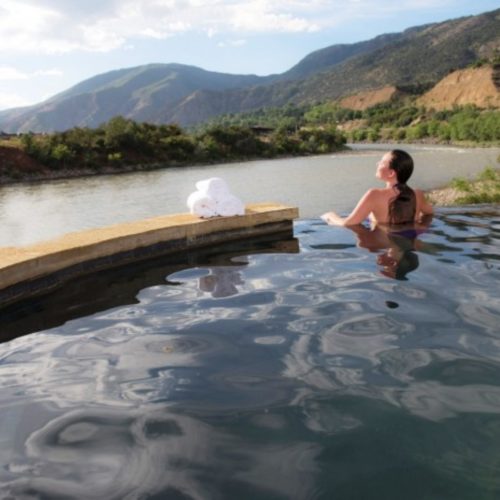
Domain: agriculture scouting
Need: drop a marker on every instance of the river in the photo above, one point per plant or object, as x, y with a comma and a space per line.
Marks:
40, 211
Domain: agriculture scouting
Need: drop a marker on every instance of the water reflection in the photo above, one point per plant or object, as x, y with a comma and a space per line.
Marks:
120, 286
137, 452
221, 281
399, 245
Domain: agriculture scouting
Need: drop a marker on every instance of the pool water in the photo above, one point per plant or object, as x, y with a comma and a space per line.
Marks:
344, 364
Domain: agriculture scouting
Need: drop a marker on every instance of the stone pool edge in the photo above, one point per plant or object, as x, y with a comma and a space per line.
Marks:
34, 269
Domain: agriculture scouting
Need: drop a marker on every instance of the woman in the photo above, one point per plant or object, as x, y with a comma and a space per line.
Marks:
397, 203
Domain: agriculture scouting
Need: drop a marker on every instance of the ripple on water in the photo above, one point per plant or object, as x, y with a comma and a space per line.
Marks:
99, 453
259, 378
480, 316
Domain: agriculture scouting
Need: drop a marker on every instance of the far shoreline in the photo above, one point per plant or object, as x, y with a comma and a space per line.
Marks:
138, 168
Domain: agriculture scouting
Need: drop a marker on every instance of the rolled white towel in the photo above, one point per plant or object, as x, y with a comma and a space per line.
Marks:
214, 187
229, 205
201, 204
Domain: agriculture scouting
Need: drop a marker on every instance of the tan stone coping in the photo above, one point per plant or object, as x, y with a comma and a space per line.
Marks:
181, 231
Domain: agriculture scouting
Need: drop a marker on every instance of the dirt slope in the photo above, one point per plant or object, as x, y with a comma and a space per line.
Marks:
467, 86
368, 98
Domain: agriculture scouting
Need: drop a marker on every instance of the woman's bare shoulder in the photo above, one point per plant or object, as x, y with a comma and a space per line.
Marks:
378, 191
382, 193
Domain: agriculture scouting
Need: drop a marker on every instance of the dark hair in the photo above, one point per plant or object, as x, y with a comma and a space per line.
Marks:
403, 206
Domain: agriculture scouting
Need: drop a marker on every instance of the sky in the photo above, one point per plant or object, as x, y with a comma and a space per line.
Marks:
47, 46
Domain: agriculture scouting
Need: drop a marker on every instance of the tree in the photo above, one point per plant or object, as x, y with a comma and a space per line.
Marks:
61, 153
118, 133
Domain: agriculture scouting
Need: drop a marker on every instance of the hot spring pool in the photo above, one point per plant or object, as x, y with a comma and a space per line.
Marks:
340, 365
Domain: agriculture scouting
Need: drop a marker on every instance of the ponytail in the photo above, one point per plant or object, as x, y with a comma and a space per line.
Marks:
403, 206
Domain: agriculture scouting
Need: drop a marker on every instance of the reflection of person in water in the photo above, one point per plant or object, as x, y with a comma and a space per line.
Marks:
399, 259
398, 243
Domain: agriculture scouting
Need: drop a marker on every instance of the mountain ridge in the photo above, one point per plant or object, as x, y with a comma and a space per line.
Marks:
187, 95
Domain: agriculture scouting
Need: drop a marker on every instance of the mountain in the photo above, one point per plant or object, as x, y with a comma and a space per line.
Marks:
144, 93
326, 58
162, 93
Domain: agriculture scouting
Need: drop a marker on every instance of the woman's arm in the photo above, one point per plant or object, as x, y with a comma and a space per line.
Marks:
423, 206
357, 216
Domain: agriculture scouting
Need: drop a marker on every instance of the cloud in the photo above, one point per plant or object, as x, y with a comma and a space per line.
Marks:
62, 26
232, 43
10, 73
48, 72
262, 17
23, 26
54, 26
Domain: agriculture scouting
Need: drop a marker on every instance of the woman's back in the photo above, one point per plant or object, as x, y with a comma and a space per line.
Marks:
408, 211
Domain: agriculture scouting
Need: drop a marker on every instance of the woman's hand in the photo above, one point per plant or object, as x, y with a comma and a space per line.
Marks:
358, 215
333, 219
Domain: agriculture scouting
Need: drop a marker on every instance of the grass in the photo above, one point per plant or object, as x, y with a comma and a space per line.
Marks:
485, 188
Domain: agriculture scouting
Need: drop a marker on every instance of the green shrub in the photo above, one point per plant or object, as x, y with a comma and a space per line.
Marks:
461, 184
485, 188
488, 174
114, 157
400, 134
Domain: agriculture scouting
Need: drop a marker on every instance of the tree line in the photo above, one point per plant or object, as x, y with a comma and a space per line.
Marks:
399, 120
411, 123
120, 142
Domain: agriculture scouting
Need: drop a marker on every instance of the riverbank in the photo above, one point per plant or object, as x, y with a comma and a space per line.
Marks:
484, 188
18, 167
434, 141
122, 145
31, 171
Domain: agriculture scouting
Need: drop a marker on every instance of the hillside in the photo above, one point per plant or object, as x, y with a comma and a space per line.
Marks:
425, 57
366, 99
475, 86
469, 86
164, 93
327, 58
15, 164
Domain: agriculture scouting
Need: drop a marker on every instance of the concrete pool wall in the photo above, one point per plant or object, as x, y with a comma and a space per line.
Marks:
25, 271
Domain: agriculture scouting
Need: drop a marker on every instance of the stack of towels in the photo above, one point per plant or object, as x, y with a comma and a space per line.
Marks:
213, 198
